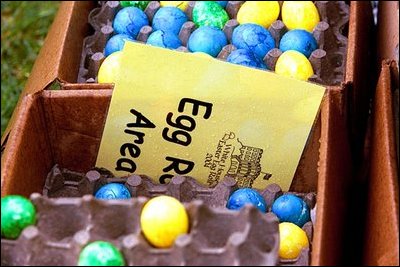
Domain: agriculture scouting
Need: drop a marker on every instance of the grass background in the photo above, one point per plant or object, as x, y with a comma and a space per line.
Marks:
24, 26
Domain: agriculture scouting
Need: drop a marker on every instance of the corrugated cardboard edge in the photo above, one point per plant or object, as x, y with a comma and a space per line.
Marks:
53, 62
382, 225
335, 170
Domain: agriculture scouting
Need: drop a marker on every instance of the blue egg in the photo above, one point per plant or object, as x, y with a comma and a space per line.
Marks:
244, 196
164, 39
222, 3
253, 37
169, 19
208, 40
246, 58
130, 20
299, 40
116, 43
290, 208
113, 191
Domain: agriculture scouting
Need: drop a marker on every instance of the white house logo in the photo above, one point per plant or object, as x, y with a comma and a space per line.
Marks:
233, 158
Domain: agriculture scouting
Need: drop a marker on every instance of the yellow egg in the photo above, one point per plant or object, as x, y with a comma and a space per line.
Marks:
109, 69
263, 13
292, 240
163, 219
294, 64
300, 15
182, 5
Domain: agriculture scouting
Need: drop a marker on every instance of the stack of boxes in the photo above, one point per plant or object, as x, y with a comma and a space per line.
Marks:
65, 126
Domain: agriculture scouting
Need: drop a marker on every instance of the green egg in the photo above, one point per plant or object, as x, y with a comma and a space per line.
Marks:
209, 13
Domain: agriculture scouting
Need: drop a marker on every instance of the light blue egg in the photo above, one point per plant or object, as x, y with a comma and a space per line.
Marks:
208, 40
244, 196
299, 40
130, 20
254, 38
116, 43
164, 39
169, 19
113, 191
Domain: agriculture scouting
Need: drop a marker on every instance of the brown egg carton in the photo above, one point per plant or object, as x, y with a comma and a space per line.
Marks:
328, 61
68, 220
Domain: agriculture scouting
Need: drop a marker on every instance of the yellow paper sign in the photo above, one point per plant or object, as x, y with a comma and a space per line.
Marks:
175, 113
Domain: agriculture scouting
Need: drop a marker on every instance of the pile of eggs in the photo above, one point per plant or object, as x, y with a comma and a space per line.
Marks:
251, 38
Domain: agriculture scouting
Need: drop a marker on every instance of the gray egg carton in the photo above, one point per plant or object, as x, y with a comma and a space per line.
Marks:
328, 61
69, 217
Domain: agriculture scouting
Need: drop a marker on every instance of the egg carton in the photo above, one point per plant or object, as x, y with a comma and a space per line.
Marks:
69, 217
328, 61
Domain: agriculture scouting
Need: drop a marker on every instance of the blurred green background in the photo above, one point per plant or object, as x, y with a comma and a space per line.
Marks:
24, 26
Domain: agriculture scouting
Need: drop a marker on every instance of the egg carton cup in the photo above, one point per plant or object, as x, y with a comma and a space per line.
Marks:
61, 182
69, 217
328, 61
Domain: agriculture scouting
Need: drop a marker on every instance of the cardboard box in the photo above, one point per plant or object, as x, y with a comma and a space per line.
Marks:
65, 126
382, 147
60, 56
382, 220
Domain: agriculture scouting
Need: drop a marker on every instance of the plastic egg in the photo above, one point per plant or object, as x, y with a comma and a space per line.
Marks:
164, 39
294, 64
100, 253
290, 208
299, 40
163, 219
130, 20
244, 196
300, 15
116, 43
253, 37
182, 5
208, 40
246, 58
292, 240
17, 213
140, 4
113, 191
109, 69
209, 13
263, 13
169, 19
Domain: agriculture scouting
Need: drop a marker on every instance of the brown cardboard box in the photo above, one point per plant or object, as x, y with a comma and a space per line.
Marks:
65, 126
60, 56
382, 220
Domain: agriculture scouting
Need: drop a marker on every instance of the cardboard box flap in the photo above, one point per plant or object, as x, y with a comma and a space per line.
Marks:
334, 168
382, 229
54, 60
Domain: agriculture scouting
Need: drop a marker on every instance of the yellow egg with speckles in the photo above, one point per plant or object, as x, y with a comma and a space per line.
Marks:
294, 64
292, 240
263, 13
300, 15
163, 219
